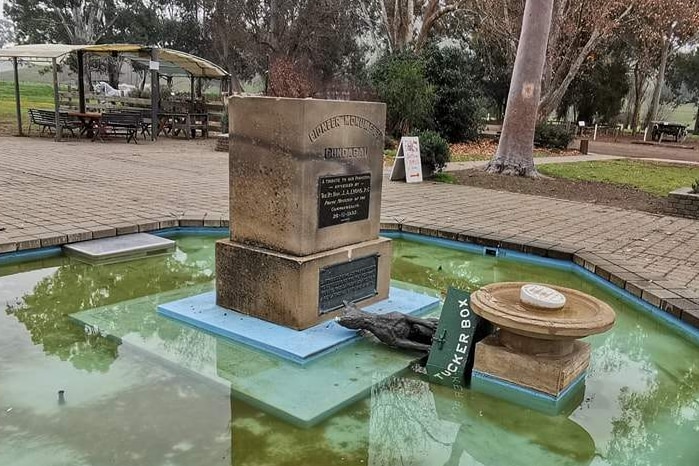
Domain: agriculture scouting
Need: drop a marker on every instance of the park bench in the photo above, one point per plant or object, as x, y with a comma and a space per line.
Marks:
144, 119
119, 124
661, 128
47, 120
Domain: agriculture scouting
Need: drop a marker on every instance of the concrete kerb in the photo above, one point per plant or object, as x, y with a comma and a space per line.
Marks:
663, 297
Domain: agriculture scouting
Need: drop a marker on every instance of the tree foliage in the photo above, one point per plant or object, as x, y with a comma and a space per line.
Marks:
409, 24
7, 33
62, 21
300, 43
597, 93
683, 78
578, 28
458, 102
400, 81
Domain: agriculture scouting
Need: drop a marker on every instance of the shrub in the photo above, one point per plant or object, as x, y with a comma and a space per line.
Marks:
434, 151
458, 102
552, 137
695, 186
399, 80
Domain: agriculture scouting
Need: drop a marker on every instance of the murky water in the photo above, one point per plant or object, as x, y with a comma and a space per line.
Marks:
128, 406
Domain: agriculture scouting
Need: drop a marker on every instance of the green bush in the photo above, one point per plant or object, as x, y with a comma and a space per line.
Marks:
458, 102
552, 137
399, 80
434, 150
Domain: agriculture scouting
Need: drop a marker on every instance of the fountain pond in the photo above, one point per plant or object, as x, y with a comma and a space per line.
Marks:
141, 389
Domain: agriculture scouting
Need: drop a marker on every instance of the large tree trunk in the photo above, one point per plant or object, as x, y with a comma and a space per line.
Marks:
660, 82
639, 89
516, 148
554, 95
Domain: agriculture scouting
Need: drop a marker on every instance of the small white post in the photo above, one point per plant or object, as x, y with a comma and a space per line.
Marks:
594, 136
645, 134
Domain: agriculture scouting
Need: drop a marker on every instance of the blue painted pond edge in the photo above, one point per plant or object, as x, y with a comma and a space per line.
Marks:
670, 321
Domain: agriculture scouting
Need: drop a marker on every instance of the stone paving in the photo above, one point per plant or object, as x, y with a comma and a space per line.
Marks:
51, 194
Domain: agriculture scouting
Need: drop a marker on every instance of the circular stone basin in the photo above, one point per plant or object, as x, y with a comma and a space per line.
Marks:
581, 315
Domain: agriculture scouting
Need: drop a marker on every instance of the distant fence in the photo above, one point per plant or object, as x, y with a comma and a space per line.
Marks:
69, 100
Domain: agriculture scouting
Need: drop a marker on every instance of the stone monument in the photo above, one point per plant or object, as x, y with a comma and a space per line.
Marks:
537, 345
305, 201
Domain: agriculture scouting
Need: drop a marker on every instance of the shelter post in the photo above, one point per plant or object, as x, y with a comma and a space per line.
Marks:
199, 84
81, 82
154, 94
191, 88
18, 104
59, 130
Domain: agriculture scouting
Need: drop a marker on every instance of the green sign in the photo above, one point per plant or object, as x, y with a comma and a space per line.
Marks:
451, 356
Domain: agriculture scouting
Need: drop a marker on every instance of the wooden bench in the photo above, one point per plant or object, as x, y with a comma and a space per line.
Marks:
119, 124
47, 120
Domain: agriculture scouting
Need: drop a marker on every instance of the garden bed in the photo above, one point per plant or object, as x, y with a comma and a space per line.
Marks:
626, 184
624, 197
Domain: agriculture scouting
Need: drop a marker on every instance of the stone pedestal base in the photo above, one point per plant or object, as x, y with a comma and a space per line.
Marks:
543, 373
299, 292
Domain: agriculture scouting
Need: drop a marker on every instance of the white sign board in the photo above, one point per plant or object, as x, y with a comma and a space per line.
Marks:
408, 165
154, 65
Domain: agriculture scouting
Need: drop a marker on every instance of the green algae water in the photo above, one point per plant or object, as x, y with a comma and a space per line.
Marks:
140, 389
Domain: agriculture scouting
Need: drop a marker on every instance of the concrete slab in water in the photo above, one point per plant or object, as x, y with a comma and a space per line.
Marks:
120, 247
301, 394
299, 346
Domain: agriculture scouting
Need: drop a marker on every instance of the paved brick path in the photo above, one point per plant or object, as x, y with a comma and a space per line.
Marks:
56, 193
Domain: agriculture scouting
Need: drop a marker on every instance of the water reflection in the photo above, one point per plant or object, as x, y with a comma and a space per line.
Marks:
74, 286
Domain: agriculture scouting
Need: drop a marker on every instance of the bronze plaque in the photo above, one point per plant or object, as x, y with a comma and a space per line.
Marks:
343, 199
349, 281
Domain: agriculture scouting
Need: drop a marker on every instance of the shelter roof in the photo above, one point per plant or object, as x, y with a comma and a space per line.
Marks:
171, 60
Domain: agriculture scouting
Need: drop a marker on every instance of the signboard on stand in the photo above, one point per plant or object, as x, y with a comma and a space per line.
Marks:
408, 165
451, 357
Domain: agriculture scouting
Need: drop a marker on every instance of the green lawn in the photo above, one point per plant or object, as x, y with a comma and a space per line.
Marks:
655, 178
32, 95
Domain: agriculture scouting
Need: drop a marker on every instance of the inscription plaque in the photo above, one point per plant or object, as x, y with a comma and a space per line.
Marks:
350, 281
343, 199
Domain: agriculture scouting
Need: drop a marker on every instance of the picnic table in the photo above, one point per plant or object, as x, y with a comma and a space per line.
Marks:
89, 121
172, 124
661, 128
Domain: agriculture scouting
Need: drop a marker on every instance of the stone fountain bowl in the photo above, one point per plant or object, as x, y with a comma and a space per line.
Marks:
582, 314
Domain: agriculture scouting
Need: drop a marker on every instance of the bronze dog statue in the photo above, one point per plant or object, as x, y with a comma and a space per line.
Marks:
394, 329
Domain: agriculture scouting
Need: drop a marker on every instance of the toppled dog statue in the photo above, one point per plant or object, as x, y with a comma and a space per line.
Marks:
394, 329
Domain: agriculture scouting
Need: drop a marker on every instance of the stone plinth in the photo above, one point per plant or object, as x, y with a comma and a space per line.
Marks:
544, 373
305, 200
305, 174
300, 291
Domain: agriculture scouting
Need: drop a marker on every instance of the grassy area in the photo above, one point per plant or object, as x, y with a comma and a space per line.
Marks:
444, 177
658, 179
685, 114
32, 95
